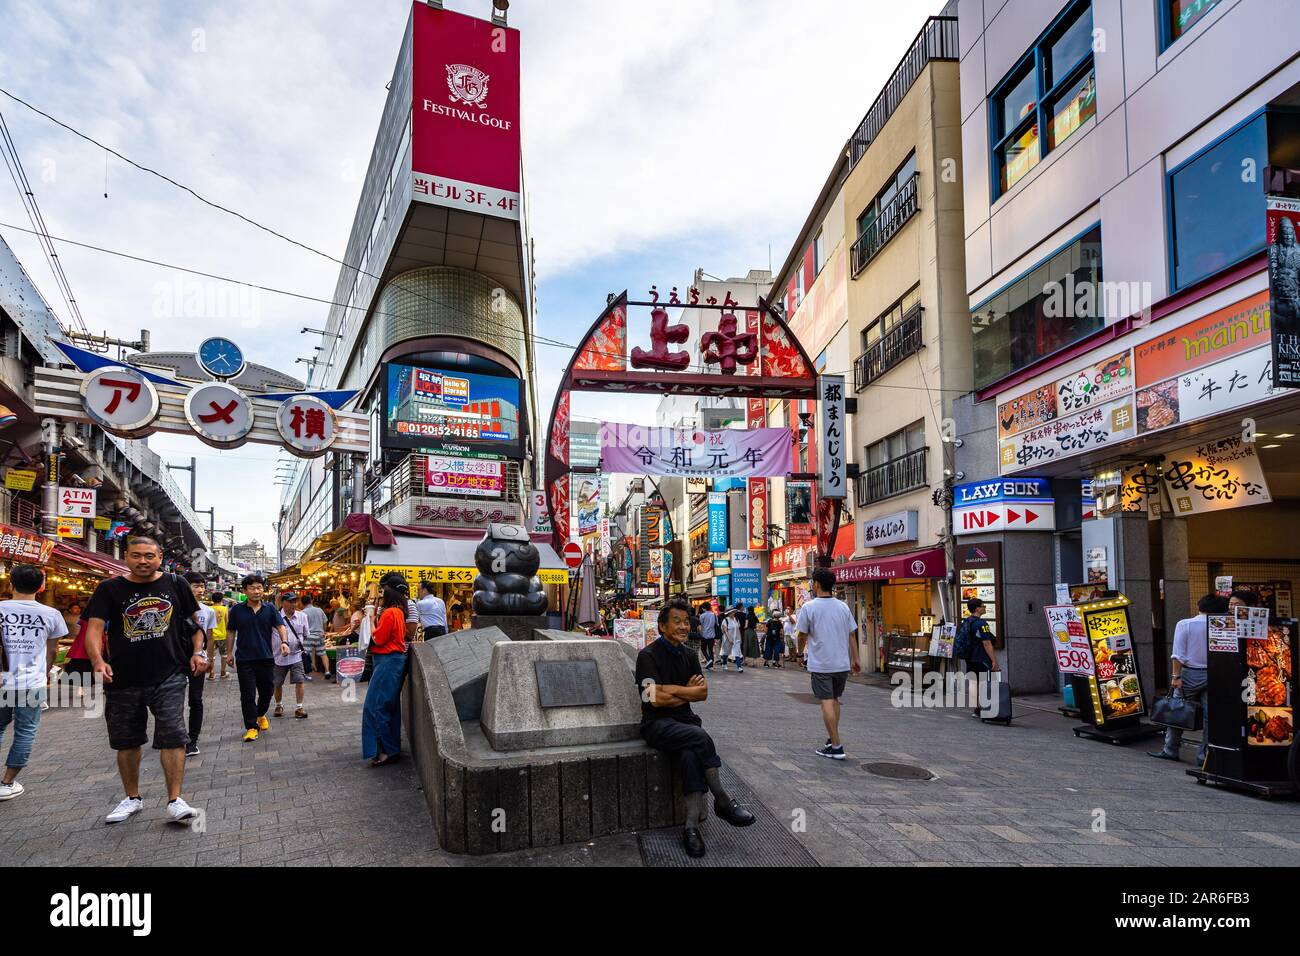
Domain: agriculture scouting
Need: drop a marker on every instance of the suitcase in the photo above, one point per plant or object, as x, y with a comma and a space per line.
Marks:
1000, 702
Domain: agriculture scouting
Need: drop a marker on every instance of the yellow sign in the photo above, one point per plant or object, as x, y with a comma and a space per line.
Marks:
72, 527
16, 480
1103, 624
414, 575
103, 524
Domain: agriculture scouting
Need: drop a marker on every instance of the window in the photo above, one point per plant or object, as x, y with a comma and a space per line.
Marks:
1049, 95
1054, 304
1216, 213
892, 207
819, 253
1178, 16
892, 317
894, 465
798, 286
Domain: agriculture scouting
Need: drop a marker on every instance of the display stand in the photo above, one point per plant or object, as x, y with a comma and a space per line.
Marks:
1251, 735
1109, 691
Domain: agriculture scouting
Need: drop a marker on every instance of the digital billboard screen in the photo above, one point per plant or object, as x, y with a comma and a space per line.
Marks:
446, 410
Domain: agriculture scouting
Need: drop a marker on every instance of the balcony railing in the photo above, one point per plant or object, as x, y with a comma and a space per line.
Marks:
897, 344
891, 219
893, 477
936, 41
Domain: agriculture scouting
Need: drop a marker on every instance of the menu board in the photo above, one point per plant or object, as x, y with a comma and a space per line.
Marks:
1069, 641
978, 567
1119, 689
1270, 717
1223, 634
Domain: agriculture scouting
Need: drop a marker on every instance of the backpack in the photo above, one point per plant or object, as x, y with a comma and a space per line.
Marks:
967, 641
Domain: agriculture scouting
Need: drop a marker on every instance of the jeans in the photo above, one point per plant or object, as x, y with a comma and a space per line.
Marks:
256, 680
23, 707
773, 648
381, 717
1195, 682
706, 645
196, 705
690, 744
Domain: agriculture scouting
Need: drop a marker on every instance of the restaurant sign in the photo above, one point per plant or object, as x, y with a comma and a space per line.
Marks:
1215, 476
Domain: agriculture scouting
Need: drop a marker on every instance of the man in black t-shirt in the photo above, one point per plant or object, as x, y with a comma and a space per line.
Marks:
669, 678
155, 644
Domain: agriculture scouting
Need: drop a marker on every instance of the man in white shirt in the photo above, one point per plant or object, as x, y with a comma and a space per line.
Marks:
288, 657
29, 634
827, 628
313, 648
1188, 670
433, 612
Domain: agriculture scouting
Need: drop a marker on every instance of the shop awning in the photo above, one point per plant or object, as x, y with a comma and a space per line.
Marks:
100, 564
446, 561
932, 563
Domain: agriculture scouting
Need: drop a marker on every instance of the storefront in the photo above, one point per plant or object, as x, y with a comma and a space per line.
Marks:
890, 595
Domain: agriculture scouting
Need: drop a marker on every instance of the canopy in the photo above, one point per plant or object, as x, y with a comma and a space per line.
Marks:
102, 564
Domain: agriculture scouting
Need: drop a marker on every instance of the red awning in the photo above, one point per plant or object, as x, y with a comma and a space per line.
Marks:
932, 563
380, 533
100, 563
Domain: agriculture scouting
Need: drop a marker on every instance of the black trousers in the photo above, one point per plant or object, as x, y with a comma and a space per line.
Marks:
196, 705
434, 630
255, 685
690, 744
706, 645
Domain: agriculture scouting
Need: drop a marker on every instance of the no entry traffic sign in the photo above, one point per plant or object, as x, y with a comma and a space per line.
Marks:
573, 555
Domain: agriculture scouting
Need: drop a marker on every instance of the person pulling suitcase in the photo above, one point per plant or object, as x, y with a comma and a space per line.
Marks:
974, 645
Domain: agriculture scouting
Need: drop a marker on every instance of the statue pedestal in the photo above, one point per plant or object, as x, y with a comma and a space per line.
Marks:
517, 628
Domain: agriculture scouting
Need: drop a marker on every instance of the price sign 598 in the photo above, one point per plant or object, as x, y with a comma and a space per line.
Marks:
1073, 661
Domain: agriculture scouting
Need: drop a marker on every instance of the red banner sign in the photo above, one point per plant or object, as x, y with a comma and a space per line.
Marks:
918, 564
757, 514
24, 546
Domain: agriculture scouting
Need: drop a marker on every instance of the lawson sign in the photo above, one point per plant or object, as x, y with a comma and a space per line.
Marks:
1003, 504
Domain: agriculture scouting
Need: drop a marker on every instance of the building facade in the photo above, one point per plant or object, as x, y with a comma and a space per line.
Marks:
1114, 192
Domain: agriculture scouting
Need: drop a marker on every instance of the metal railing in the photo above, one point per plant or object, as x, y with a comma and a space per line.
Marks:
892, 218
896, 344
936, 41
893, 477
408, 480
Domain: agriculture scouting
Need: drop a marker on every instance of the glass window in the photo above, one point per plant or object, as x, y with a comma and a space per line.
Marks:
1036, 315
1217, 214
1044, 100
1182, 14
819, 253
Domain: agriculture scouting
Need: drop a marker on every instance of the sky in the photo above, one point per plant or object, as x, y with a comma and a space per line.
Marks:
658, 138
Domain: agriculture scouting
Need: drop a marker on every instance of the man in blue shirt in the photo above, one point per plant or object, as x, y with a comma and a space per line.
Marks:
433, 612
251, 632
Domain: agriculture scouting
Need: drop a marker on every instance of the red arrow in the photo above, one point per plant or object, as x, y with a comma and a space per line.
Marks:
991, 516
1012, 516
1030, 515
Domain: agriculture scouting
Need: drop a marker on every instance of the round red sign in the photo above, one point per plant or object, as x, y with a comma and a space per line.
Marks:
573, 554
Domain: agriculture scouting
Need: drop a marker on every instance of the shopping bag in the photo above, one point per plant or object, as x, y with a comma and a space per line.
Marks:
1177, 712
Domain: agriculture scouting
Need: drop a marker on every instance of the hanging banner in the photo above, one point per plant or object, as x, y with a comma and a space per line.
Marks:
1282, 225
1215, 476
695, 453
588, 505
832, 457
718, 538
800, 528
541, 518
757, 512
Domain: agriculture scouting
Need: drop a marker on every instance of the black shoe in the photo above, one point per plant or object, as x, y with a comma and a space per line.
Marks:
1161, 755
192, 749
733, 813
693, 842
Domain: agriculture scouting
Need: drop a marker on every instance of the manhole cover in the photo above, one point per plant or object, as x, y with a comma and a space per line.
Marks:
802, 698
898, 771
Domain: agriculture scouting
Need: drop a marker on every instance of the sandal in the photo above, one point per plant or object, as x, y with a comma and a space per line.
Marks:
389, 758
300, 714
279, 711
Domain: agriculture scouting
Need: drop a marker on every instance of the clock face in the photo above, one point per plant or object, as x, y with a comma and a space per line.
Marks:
221, 357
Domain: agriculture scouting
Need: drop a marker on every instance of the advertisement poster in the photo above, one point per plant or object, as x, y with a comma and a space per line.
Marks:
942, 640
630, 630
1215, 476
1118, 686
718, 522
695, 452
656, 573
1027, 411
1097, 567
799, 513
465, 111
1282, 224
588, 505
1069, 642
430, 408
1066, 437
1223, 634
1251, 623
1101, 382
541, 518
1270, 687
481, 478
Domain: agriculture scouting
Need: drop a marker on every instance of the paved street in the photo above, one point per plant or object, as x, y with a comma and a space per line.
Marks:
1019, 795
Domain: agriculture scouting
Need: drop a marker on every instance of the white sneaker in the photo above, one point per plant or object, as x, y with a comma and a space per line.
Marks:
10, 790
178, 811
125, 810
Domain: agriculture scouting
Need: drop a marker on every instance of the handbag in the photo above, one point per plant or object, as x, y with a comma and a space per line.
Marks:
1177, 712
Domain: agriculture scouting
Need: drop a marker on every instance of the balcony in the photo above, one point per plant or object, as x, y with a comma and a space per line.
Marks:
893, 478
891, 219
898, 343
936, 41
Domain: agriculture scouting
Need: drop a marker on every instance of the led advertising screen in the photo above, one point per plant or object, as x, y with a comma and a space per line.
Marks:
453, 411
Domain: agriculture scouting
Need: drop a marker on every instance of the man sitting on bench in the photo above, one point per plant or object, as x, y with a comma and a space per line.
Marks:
669, 678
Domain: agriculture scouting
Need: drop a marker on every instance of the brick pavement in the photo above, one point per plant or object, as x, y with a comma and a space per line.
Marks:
1019, 795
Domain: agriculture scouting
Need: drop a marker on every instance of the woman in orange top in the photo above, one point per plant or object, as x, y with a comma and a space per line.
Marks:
381, 718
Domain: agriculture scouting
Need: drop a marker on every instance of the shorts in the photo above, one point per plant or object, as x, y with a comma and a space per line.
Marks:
829, 686
127, 709
292, 671
313, 644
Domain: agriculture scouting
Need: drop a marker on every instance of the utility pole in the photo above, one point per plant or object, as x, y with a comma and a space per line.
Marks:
212, 522
190, 468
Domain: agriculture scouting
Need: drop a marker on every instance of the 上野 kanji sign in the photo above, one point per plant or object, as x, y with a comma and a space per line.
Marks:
695, 452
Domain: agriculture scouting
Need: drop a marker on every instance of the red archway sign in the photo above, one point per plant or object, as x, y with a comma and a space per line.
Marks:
744, 363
